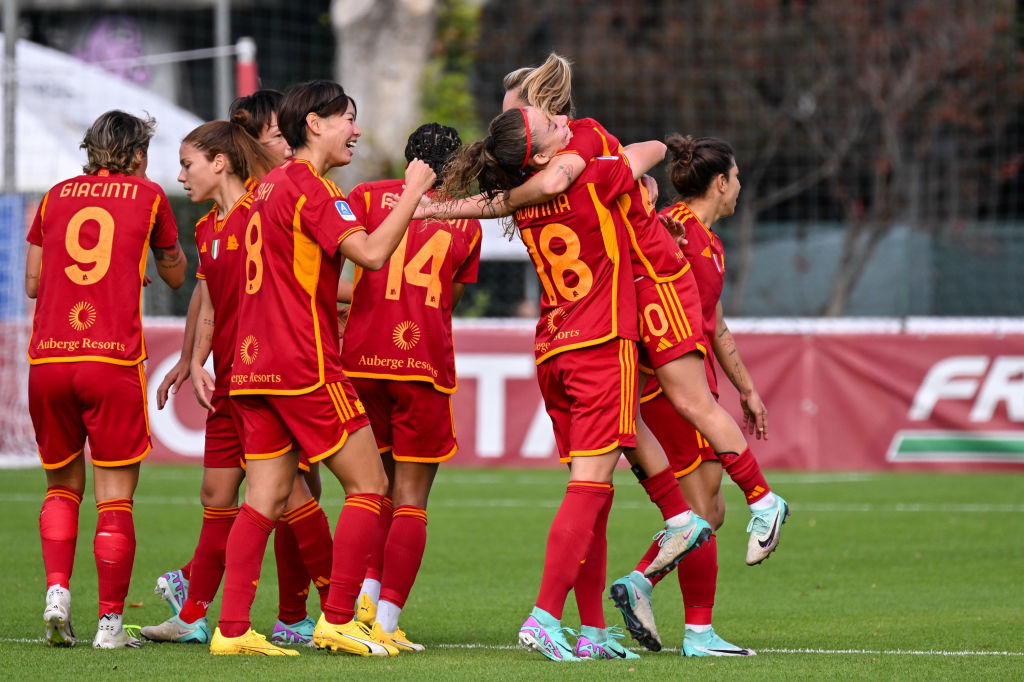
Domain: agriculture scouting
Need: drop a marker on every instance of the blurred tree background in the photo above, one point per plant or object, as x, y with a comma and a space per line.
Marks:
879, 141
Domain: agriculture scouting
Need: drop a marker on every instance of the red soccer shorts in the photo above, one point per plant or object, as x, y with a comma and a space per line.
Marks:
684, 445
670, 320
101, 401
590, 395
410, 418
318, 422
223, 435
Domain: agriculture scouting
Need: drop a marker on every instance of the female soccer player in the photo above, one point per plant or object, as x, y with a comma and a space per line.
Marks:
217, 159
87, 379
287, 380
397, 348
293, 626
704, 172
585, 350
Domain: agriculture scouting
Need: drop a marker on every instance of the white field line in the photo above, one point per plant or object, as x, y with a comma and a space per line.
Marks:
825, 652
513, 503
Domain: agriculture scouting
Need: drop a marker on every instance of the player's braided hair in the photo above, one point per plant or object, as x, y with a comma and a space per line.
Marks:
434, 144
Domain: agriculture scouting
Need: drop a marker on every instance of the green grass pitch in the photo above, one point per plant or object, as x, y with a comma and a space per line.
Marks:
878, 576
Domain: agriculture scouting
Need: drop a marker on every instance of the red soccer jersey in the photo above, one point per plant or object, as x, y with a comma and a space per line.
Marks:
704, 252
94, 231
400, 323
222, 264
287, 340
653, 252
580, 252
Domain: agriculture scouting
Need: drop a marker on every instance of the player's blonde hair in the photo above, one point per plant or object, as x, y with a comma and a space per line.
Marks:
114, 140
548, 87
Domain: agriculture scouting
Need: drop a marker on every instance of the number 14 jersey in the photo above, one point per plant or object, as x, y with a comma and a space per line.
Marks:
400, 323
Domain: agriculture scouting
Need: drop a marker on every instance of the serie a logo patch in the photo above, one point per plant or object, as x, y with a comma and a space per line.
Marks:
344, 211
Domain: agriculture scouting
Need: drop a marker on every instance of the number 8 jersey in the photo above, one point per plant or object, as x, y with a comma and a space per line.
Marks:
287, 340
581, 254
94, 231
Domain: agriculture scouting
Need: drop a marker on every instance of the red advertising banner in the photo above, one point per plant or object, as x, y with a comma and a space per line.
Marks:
891, 398
840, 401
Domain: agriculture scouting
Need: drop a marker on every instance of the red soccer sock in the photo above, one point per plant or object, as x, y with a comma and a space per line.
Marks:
114, 546
186, 570
745, 472
590, 583
58, 530
663, 489
243, 559
208, 562
312, 532
375, 565
354, 535
292, 579
403, 553
569, 542
698, 578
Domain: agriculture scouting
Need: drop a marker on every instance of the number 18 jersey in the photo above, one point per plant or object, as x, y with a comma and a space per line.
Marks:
94, 231
581, 255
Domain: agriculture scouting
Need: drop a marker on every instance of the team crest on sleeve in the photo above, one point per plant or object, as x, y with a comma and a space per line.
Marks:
344, 210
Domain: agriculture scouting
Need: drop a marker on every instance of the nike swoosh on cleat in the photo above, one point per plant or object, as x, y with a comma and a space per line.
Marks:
771, 536
617, 653
732, 652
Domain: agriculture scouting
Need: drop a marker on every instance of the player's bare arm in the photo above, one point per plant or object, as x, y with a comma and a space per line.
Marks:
551, 181
33, 266
170, 265
202, 382
755, 414
372, 251
179, 374
643, 156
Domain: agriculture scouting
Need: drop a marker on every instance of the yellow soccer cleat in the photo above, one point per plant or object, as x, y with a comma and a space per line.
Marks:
251, 643
366, 613
396, 639
352, 637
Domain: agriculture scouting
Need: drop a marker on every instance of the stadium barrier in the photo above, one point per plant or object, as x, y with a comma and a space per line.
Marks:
841, 394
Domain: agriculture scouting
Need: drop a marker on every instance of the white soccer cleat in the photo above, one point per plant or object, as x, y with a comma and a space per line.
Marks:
111, 635
764, 529
57, 618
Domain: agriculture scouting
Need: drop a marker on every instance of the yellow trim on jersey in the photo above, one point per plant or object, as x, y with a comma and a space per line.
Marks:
398, 377
305, 253
623, 203
88, 358
124, 462
648, 397
576, 346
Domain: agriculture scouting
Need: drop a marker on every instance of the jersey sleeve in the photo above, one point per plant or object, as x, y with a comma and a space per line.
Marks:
613, 177
165, 229
359, 201
330, 220
35, 233
468, 270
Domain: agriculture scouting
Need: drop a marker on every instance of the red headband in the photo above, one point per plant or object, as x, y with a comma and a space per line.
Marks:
527, 122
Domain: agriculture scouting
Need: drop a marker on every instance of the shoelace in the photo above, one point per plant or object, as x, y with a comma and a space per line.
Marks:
132, 630
616, 632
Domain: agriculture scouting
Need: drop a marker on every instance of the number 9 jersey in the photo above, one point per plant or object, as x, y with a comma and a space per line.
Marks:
94, 231
400, 323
